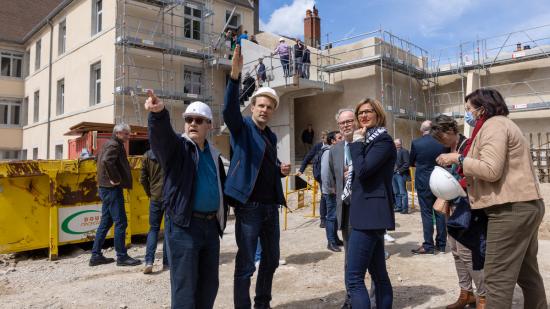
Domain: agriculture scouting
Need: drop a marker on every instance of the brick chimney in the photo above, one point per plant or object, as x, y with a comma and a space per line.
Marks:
312, 28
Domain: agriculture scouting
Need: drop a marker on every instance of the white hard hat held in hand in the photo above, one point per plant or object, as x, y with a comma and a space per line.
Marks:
444, 185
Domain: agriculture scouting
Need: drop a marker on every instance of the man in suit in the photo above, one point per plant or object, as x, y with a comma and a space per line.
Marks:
338, 162
424, 151
400, 176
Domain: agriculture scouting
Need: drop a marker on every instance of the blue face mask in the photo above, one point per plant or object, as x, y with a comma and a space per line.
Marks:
469, 119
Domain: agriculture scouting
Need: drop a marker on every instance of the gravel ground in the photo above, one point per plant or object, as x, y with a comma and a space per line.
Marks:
312, 277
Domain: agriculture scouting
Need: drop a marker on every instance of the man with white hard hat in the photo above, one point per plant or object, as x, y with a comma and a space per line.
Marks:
193, 195
254, 183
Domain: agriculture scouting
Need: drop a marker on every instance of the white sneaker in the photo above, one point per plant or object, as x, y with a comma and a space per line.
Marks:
388, 238
386, 254
282, 262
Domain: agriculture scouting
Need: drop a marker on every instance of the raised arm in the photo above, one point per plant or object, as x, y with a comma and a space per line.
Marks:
231, 107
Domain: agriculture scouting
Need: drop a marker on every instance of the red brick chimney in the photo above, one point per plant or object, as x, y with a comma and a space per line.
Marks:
312, 28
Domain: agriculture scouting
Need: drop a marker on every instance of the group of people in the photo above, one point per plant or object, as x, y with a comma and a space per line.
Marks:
363, 171
301, 57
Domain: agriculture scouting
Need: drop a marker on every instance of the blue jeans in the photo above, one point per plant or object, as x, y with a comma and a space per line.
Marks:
366, 251
427, 200
399, 184
331, 225
112, 211
253, 221
156, 212
285, 59
258, 255
322, 207
193, 255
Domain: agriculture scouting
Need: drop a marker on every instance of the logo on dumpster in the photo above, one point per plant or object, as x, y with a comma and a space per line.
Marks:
81, 222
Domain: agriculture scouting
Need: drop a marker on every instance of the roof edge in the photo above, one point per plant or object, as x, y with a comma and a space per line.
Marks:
45, 20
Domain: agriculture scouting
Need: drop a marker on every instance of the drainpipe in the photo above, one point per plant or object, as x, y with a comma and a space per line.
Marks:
49, 91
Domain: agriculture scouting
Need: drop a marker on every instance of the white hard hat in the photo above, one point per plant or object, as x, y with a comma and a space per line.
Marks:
200, 109
281, 39
267, 92
444, 185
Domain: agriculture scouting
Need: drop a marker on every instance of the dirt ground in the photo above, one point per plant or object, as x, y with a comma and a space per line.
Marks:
312, 278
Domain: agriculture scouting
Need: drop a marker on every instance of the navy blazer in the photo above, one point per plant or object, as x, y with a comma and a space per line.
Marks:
372, 194
424, 151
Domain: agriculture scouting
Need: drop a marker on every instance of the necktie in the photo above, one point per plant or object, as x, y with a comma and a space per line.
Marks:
347, 155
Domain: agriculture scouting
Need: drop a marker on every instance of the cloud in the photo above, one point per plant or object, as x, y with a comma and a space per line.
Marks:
288, 19
435, 15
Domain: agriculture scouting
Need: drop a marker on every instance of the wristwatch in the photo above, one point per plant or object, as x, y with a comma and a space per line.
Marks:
460, 160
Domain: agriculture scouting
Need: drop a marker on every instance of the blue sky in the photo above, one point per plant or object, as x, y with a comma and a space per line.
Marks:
432, 24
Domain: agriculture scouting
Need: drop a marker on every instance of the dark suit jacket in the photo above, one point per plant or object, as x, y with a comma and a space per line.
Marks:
372, 196
336, 159
424, 151
402, 162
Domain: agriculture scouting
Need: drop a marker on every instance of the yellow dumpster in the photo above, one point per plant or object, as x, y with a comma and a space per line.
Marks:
44, 204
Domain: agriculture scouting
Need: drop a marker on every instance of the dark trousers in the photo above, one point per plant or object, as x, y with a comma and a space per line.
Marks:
330, 221
112, 211
322, 207
366, 252
193, 255
156, 212
399, 184
285, 59
511, 254
253, 221
427, 200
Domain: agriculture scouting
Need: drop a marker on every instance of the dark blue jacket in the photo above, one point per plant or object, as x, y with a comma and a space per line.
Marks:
310, 155
424, 151
248, 147
372, 194
178, 158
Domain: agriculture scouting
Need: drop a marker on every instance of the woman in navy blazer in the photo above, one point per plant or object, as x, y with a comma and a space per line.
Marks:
371, 213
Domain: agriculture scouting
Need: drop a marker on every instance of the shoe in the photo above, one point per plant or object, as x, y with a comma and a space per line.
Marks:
282, 262
99, 260
422, 250
339, 242
128, 261
257, 264
395, 209
441, 250
465, 298
481, 302
404, 212
148, 269
322, 224
334, 248
388, 238
165, 267
386, 255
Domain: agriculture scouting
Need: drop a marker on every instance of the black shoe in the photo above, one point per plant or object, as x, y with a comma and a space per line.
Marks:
128, 261
404, 212
422, 250
441, 249
339, 242
99, 260
322, 224
334, 248
397, 209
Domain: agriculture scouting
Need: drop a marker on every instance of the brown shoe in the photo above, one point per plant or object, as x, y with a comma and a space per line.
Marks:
465, 298
422, 250
481, 302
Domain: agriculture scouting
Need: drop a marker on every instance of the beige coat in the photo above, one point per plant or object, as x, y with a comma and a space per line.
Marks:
499, 168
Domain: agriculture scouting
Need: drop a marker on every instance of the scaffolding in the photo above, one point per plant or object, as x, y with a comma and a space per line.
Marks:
166, 46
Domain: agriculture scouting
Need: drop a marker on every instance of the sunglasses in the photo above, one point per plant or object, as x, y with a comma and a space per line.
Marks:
197, 120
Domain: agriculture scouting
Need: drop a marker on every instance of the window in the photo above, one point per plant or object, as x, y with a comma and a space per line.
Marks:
62, 39
9, 154
95, 83
192, 82
23, 154
58, 152
35, 153
97, 16
37, 52
11, 64
27, 63
235, 22
25, 112
60, 103
192, 22
36, 106
10, 113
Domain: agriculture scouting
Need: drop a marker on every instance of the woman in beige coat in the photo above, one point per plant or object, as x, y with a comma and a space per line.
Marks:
501, 180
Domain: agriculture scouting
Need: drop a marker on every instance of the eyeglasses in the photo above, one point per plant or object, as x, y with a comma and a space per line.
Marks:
345, 122
197, 120
366, 111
